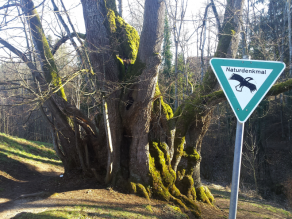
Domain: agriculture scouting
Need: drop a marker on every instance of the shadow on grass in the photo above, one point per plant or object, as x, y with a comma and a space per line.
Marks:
222, 194
15, 168
19, 178
31, 158
26, 215
25, 147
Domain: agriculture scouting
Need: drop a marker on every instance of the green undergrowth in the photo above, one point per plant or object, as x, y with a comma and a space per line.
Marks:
82, 212
13, 148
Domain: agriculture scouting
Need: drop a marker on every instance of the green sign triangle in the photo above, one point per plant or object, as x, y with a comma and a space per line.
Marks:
245, 82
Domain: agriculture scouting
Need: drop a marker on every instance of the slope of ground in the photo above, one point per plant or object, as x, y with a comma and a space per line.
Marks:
31, 187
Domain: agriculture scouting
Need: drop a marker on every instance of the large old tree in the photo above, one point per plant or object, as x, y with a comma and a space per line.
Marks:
137, 141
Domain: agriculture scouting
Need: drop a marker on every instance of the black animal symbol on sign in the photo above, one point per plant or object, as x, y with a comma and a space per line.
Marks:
244, 82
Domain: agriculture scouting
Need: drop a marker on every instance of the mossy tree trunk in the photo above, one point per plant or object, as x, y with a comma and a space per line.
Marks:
155, 151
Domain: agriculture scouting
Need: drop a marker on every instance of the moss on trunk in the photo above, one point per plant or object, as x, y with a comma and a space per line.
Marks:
162, 180
49, 66
124, 40
185, 181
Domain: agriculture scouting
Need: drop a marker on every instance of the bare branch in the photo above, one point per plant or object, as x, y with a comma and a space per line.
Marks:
216, 16
64, 39
23, 57
9, 5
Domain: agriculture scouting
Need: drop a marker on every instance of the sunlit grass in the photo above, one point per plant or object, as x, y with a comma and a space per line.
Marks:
85, 212
21, 149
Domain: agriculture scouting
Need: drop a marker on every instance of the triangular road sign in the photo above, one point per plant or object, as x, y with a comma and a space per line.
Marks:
245, 82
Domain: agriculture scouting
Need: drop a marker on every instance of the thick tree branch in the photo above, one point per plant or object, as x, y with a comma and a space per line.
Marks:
211, 100
280, 88
152, 33
218, 97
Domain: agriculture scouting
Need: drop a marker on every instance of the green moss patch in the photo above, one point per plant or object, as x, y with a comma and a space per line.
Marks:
191, 154
123, 35
166, 109
160, 161
124, 40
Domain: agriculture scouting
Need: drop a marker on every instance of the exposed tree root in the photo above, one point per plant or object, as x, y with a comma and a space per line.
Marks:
140, 190
204, 195
185, 180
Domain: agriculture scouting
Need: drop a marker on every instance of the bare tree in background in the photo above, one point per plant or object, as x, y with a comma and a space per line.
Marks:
251, 156
176, 14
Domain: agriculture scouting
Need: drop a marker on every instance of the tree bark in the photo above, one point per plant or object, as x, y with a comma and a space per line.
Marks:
102, 60
148, 53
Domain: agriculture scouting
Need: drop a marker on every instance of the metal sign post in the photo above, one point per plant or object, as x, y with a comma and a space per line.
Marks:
236, 170
236, 167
